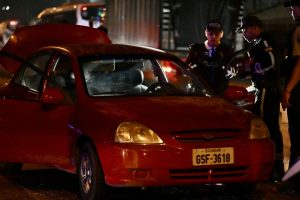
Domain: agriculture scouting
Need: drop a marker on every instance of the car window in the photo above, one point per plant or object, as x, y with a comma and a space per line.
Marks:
62, 77
5, 76
176, 76
32, 73
139, 76
9, 65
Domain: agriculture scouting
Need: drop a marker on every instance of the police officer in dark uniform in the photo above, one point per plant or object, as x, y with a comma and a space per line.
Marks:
209, 59
266, 80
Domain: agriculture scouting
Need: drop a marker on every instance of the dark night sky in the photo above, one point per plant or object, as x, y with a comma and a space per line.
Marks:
25, 10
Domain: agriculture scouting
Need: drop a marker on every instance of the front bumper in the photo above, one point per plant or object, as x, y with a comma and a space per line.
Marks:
138, 166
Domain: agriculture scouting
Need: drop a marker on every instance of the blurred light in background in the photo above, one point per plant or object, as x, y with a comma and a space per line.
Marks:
4, 8
24, 11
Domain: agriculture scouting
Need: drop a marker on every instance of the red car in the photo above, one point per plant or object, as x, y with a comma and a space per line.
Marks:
119, 115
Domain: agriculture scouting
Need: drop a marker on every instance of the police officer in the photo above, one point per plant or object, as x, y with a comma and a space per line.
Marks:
291, 94
209, 59
265, 78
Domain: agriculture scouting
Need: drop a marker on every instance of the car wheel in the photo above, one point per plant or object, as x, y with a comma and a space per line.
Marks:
90, 174
10, 168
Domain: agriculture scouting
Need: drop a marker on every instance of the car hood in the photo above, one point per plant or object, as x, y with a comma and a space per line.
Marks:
175, 113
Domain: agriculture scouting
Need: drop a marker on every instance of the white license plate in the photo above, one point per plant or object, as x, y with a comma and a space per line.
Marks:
213, 156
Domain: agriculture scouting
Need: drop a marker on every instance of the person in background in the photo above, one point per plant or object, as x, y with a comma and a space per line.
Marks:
265, 76
208, 59
291, 93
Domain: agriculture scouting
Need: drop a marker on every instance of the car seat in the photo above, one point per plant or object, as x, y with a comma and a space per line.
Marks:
136, 78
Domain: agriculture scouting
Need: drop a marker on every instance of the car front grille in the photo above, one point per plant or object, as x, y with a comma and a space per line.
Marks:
206, 135
208, 173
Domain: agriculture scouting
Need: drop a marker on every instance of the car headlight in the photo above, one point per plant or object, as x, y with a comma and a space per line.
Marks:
258, 130
133, 132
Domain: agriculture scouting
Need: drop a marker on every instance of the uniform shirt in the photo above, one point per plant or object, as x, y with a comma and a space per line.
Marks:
210, 64
264, 56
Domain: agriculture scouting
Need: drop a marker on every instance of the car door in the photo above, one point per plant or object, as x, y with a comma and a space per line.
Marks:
31, 131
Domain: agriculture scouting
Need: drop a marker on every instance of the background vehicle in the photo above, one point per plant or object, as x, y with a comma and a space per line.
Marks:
85, 14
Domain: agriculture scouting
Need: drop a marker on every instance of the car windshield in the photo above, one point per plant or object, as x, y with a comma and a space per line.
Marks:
115, 76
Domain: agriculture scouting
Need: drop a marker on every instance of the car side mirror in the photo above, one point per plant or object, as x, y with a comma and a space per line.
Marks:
239, 95
52, 96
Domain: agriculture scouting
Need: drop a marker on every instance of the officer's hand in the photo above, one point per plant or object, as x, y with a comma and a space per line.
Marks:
192, 66
231, 72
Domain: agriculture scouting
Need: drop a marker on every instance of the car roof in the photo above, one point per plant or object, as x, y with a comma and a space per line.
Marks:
113, 49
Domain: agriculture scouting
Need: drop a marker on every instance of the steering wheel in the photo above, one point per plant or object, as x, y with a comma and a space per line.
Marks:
163, 87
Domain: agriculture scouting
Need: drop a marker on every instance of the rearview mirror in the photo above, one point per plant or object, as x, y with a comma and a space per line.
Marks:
239, 95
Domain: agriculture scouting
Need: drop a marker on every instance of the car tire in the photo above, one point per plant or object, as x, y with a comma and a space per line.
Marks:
90, 174
10, 168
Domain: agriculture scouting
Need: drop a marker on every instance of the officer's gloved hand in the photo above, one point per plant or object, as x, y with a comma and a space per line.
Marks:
231, 72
